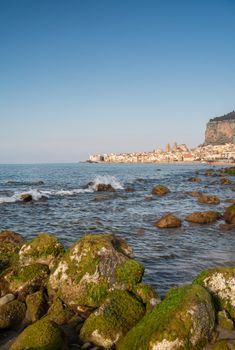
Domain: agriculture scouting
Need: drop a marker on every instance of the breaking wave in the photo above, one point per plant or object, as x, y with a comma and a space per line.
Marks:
106, 180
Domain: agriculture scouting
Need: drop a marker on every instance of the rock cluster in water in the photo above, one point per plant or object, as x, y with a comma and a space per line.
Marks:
92, 296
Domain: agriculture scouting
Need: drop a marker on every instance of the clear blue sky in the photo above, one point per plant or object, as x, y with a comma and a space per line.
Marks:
96, 76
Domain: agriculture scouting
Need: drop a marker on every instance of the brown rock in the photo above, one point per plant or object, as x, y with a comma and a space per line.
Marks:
168, 221
225, 181
194, 179
229, 214
26, 197
205, 217
105, 188
7, 236
230, 201
208, 199
196, 194
227, 227
160, 190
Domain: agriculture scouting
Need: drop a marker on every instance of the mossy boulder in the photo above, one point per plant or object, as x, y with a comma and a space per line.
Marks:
160, 190
224, 321
59, 312
208, 199
229, 214
147, 294
185, 319
108, 324
168, 221
220, 282
43, 335
9, 255
36, 305
44, 249
24, 280
12, 314
90, 268
223, 345
205, 217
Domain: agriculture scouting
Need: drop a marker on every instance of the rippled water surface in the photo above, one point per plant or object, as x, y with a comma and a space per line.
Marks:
65, 206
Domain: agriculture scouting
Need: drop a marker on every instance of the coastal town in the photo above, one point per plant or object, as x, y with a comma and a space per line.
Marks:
174, 153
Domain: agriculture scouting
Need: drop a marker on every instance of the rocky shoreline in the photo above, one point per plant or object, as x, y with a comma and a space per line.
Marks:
91, 296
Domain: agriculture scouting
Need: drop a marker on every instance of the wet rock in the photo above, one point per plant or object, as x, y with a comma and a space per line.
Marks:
225, 181
36, 305
194, 179
230, 201
24, 280
220, 282
103, 198
224, 321
90, 268
26, 197
227, 227
42, 334
12, 314
229, 214
7, 236
108, 324
44, 249
105, 188
6, 299
196, 194
168, 221
183, 320
147, 295
205, 217
208, 199
160, 190
59, 312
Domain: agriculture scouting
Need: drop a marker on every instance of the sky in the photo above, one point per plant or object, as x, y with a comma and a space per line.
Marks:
79, 77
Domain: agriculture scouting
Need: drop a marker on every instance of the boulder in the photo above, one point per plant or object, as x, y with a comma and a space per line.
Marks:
229, 214
224, 321
44, 249
105, 188
42, 334
160, 190
9, 255
205, 217
223, 345
90, 268
12, 314
59, 312
185, 319
194, 179
168, 221
24, 280
220, 282
147, 294
26, 197
225, 181
36, 305
7, 236
208, 199
112, 320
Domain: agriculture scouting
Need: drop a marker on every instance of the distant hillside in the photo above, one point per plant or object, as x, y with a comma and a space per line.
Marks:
221, 130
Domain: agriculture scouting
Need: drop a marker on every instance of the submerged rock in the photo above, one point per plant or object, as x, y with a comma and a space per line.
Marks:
196, 194
42, 334
205, 217
220, 282
12, 314
185, 319
208, 199
160, 190
90, 268
168, 221
229, 214
44, 249
114, 318
194, 179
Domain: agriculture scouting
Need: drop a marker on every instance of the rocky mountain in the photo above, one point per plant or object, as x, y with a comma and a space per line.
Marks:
221, 130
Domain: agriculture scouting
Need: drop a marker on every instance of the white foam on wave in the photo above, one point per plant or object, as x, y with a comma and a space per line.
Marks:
73, 192
16, 197
106, 180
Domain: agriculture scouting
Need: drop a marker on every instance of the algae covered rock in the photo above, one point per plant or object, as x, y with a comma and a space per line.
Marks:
229, 214
7, 236
24, 280
44, 249
59, 313
9, 255
183, 320
12, 314
205, 217
168, 221
208, 199
224, 345
224, 321
42, 334
147, 295
36, 305
108, 324
220, 282
160, 190
90, 268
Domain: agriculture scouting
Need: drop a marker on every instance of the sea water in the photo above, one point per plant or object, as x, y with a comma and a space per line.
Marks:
66, 203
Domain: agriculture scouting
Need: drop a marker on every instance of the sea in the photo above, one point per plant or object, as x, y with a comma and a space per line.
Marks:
66, 204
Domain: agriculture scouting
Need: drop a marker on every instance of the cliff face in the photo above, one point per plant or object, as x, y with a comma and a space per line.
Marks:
221, 130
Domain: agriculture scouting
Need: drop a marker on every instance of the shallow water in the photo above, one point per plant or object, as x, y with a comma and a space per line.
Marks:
65, 206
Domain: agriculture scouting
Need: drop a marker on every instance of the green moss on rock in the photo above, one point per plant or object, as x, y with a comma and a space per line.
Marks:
36, 305
12, 314
119, 313
224, 321
183, 320
129, 273
9, 255
230, 171
44, 249
147, 295
42, 334
59, 313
